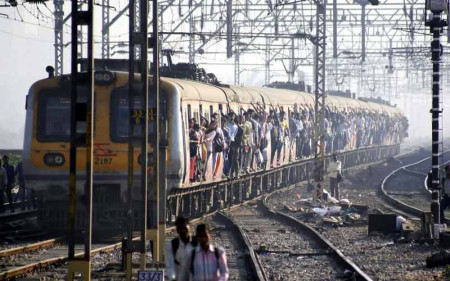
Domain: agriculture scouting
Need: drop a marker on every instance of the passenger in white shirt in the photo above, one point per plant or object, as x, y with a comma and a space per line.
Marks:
232, 129
176, 249
210, 133
335, 174
205, 262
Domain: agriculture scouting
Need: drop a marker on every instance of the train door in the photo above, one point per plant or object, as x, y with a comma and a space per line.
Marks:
192, 114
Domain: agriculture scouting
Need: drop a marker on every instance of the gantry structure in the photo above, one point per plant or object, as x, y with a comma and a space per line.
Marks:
332, 44
264, 41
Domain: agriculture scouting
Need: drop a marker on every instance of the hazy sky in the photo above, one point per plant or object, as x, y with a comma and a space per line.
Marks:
27, 49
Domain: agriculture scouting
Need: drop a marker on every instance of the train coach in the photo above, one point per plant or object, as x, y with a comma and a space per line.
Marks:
47, 138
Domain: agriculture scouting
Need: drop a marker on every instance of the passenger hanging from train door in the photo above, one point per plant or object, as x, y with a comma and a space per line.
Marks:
227, 141
247, 143
273, 136
256, 138
218, 147
445, 199
298, 135
230, 130
176, 249
340, 132
261, 149
235, 154
307, 126
208, 139
285, 136
266, 128
293, 130
194, 141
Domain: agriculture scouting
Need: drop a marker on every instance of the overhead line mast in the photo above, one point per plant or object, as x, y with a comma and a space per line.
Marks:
319, 91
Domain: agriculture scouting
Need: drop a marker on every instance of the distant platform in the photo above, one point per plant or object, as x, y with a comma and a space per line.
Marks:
19, 214
10, 151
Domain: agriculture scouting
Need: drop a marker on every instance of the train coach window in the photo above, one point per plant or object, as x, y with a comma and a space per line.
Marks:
120, 116
53, 116
196, 116
189, 112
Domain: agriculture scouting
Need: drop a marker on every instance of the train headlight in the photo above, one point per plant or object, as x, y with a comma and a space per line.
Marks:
54, 159
150, 159
104, 77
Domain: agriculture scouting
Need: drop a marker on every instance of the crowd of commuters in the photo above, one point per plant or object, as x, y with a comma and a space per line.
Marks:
9, 176
241, 139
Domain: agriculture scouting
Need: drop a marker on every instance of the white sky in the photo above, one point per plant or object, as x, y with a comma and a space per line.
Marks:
27, 49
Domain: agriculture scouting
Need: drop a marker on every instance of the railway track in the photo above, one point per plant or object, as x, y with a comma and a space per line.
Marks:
405, 190
52, 253
287, 249
242, 262
57, 255
19, 265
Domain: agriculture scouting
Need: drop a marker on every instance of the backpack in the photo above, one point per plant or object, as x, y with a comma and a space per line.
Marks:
176, 244
216, 253
218, 143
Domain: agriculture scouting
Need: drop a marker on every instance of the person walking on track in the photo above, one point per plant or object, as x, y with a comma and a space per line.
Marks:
205, 262
177, 247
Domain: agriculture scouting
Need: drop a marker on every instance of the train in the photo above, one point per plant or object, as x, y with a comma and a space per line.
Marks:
47, 137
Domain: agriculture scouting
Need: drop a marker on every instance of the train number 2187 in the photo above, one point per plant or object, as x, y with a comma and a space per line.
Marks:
102, 161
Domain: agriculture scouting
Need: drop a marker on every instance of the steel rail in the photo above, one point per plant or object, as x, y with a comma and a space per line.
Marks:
32, 247
315, 235
256, 264
23, 270
396, 203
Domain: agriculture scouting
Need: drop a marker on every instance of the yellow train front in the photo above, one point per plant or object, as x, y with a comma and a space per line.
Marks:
47, 142
47, 135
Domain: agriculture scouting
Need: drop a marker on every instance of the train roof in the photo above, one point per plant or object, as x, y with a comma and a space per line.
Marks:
199, 91
194, 90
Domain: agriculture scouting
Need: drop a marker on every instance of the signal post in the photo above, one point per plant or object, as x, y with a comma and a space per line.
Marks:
436, 24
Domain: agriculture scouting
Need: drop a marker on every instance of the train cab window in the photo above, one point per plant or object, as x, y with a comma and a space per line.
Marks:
53, 116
